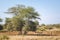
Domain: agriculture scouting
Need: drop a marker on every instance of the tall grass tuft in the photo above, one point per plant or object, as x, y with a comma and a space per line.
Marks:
4, 37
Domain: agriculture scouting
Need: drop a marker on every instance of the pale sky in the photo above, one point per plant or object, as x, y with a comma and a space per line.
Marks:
48, 9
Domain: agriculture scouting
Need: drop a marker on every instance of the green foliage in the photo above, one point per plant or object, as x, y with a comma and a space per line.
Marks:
41, 28
1, 27
8, 24
33, 25
23, 18
0, 20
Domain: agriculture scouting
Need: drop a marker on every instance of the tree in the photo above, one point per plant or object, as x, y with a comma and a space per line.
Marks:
1, 27
8, 24
23, 13
0, 20
17, 23
33, 25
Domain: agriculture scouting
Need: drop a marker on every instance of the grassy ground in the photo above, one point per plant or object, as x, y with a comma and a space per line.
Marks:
34, 37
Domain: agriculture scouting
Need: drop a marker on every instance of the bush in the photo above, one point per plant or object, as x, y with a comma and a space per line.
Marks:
41, 29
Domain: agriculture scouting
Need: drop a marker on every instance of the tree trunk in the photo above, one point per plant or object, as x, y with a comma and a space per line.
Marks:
24, 32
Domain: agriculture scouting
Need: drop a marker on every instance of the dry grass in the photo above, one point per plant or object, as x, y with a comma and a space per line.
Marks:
34, 37
14, 36
55, 33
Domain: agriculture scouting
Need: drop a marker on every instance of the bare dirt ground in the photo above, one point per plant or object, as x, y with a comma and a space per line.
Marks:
19, 37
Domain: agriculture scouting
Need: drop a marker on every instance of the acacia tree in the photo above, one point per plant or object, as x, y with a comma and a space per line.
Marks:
23, 13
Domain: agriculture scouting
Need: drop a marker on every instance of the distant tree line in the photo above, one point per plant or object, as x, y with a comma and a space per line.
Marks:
44, 27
